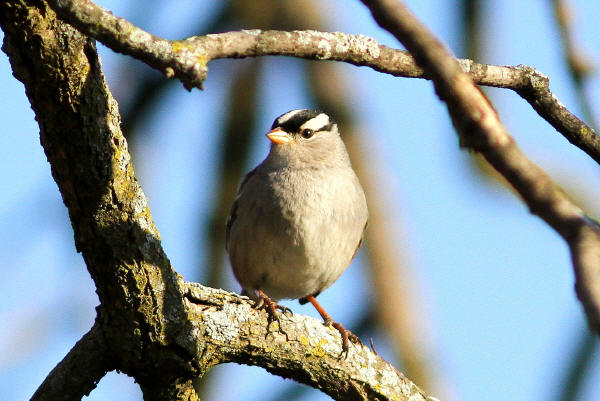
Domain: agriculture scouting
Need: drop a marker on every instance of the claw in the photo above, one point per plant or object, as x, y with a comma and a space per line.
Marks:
373, 347
347, 335
271, 307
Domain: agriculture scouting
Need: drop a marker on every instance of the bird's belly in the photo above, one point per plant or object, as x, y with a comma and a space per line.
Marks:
297, 248
299, 258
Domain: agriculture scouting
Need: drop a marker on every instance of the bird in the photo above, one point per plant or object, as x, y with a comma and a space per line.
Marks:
299, 217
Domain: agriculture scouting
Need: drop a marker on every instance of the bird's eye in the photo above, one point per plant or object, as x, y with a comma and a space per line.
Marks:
307, 133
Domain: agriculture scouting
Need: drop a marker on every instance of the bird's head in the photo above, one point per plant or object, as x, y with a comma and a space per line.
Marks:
306, 137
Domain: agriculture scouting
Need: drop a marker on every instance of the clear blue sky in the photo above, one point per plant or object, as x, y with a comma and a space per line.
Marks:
496, 281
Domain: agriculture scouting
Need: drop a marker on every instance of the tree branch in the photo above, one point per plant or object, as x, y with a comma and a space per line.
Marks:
150, 324
579, 64
225, 328
163, 331
80, 370
113, 228
479, 128
472, 114
187, 60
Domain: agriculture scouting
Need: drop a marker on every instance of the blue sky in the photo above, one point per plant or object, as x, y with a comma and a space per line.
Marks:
496, 282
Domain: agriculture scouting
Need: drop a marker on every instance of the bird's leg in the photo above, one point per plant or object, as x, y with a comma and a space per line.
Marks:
270, 306
347, 335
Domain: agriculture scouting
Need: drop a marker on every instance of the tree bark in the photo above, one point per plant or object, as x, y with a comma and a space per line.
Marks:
151, 324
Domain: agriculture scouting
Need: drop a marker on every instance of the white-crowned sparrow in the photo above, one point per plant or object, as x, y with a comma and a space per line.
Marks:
299, 216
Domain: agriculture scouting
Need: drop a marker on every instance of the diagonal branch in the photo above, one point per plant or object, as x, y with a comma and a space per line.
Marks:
479, 128
150, 324
80, 370
187, 60
579, 64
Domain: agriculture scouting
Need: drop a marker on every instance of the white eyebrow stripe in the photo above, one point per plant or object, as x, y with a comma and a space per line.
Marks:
281, 120
316, 123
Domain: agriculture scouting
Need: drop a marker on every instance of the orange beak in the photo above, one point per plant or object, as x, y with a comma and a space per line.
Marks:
279, 137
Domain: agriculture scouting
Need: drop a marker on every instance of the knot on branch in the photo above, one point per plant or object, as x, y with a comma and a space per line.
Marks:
536, 81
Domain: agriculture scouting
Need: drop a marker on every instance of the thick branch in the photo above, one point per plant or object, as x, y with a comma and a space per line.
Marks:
187, 60
154, 327
224, 328
479, 128
80, 370
160, 336
113, 229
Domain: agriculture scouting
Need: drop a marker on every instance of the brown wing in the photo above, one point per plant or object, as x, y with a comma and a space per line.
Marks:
233, 213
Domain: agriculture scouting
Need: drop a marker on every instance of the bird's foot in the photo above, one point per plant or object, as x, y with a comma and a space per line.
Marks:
271, 307
347, 335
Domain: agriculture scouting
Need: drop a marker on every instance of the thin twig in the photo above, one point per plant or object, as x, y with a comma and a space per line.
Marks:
578, 63
581, 353
187, 60
480, 129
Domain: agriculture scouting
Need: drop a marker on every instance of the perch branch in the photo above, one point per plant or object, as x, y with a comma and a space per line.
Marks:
156, 328
225, 328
